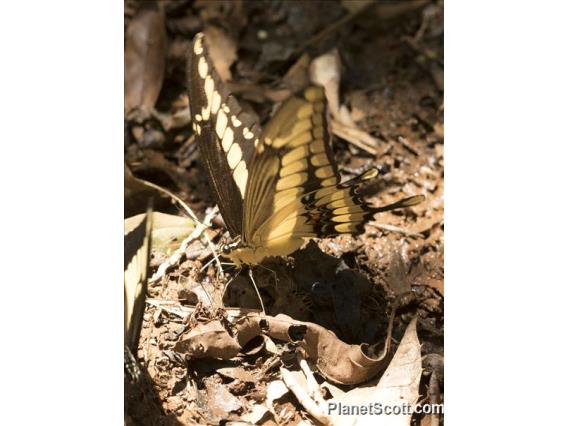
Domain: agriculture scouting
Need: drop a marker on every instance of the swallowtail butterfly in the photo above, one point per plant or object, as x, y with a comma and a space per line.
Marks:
276, 186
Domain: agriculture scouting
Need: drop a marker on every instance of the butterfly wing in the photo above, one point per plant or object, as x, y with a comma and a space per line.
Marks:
136, 259
226, 134
295, 190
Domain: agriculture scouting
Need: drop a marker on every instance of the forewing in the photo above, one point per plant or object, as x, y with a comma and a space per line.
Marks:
226, 134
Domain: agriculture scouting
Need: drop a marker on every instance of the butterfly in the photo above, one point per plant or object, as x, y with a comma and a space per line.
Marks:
277, 186
137, 243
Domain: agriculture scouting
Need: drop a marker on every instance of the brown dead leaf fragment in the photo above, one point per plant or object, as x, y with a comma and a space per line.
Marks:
220, 401
209, 340
144, 57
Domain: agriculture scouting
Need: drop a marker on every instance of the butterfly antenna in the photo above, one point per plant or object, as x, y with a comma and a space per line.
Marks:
207, 264
257, 292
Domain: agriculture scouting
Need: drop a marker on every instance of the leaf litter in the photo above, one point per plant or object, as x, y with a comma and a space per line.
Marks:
349, 319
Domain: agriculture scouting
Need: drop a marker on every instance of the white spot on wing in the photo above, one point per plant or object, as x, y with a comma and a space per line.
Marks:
241, 175
227, 139
198, 46
221, 124
247, 133
209, 87
234, 155
235, 121
202, 67
215, 102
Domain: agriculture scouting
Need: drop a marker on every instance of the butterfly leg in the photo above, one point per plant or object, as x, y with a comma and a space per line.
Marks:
239, 269
272, 271
257, 292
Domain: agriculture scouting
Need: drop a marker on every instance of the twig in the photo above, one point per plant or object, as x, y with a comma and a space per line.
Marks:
313, 386
409, 147
176, 308
171, 195
303, 398
176, 256
334, 27
355, 136
393, 228
171, 307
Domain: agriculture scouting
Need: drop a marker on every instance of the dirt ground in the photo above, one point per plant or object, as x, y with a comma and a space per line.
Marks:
392, 85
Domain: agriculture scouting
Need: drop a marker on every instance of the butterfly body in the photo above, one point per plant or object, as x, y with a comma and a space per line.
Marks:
277, 186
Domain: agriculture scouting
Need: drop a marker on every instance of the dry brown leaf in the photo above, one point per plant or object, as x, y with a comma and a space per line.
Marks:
222, 50
144, 57
238, 373
297, 77
398, 385
208, 340
336, 360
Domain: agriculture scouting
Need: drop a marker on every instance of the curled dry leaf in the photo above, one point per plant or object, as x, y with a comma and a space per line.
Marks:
398, 385
145, 57
209, 340
336, 360
325, 70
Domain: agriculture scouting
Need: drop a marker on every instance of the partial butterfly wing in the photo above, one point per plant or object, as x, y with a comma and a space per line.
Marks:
137, 244
293, 159
226, 134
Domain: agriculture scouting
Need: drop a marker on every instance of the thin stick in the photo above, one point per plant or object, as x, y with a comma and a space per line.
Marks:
171, 195
313, 386
333, 27
354, 136
393, 228
176, 256
303, 398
